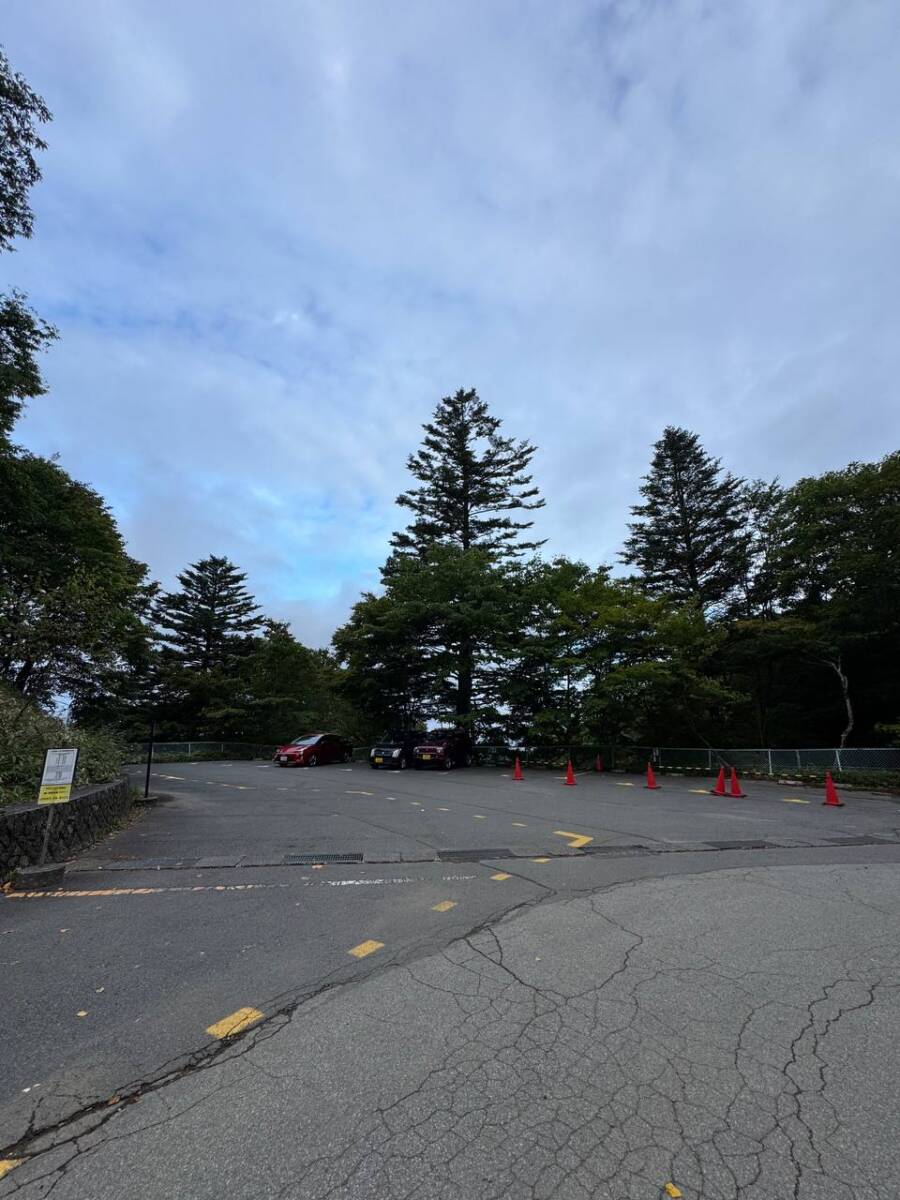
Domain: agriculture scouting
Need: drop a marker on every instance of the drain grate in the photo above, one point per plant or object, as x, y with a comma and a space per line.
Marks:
749, 845
473, 855
618, 851
309, 860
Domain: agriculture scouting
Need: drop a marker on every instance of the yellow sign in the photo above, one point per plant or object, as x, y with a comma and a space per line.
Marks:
58, 776
55, 793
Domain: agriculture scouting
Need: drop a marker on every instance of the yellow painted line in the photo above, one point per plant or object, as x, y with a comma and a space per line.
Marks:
501, 875
360, 793
700, 791
520, 825
479, 817
443, 906
141, 891
793, 800
619, 783
540, 860
235, 1022
443, 810
671, 1190
159, 776
578, 839
365, 948
9, 1164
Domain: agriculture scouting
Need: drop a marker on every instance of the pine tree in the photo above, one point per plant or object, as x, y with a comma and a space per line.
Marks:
689, 541
472, 479
202, 626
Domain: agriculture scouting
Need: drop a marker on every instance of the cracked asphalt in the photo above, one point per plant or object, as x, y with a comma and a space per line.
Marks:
710, 1005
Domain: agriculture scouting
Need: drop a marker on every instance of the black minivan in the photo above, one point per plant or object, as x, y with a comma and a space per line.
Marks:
395, 749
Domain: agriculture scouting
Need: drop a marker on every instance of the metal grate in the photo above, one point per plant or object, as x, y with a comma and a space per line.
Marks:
309, 860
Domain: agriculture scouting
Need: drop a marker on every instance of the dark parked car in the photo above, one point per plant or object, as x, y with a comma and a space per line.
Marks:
443, 748
314, 749
395, 749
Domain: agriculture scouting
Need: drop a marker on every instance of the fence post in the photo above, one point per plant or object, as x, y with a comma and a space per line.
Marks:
797, 752
190, 749
769, 753
709, 758
837, 759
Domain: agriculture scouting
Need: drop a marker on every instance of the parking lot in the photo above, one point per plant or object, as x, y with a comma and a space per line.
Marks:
220, 942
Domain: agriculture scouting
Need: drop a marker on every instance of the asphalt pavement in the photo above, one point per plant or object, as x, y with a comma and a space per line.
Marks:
508, 989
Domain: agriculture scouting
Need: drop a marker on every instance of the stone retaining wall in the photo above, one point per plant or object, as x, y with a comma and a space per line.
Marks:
90, 814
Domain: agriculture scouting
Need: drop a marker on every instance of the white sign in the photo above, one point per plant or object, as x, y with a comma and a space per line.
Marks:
58, 776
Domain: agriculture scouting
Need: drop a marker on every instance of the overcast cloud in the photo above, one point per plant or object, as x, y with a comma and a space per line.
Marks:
274, 234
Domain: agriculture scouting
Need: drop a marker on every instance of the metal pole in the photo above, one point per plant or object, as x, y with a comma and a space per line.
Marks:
769, 752
46, 836
149, 757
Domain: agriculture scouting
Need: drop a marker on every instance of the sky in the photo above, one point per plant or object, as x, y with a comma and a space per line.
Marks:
273, 235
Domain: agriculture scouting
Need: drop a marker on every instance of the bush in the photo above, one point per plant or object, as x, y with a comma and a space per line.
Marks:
26, 732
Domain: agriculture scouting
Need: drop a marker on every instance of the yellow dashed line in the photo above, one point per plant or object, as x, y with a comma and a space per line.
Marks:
520, 825
479, 817
365, 948
443, 906
578, 839
230, 1025
540, 860
443, 810
360, 793
141, 891
9, 1164
621, 783
700, 791
793, 800
501, 875
671, 1190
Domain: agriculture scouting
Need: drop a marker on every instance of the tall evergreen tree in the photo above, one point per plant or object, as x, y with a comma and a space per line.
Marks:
22, 333
472, 478
688, 541
203, 626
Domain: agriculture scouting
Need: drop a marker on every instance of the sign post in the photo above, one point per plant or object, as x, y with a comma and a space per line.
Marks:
56, 786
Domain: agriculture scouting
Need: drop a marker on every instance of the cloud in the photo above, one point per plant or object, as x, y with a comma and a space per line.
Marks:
273, 237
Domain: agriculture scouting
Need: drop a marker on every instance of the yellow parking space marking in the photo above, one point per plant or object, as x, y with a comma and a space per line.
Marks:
360, 793
443, 810
540, 860
700, 791
161, 776
793, 800
671, 1190
9, 1164
578, 839
416, 803
500, 876
443, 906
621, 783
479, 817
235, 1022
520, 825
366, 948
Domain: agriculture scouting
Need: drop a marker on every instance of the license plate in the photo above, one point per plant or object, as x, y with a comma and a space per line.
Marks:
379, 759
283, 758
426, 757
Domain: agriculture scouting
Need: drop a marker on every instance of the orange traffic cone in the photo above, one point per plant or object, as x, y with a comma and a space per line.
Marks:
832, 799
735, 786
517, 773
570, 775
651, 779
598, 764
719, 789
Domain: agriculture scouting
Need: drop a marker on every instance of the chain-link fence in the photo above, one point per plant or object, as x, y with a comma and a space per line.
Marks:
583, 757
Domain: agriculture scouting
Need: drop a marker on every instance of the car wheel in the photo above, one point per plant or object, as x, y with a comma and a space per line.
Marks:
403, 763
311, 761
448, 763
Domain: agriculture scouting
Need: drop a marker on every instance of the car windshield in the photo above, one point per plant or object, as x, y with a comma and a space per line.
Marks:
309, 740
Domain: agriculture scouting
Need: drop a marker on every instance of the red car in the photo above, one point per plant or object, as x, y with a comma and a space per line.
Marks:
312, 750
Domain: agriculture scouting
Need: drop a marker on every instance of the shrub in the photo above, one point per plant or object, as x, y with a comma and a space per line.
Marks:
26, 732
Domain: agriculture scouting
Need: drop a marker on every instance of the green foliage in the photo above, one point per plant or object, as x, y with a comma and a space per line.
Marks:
23, 335
471, 478
70, 597
26, 732
202, 626
689, 540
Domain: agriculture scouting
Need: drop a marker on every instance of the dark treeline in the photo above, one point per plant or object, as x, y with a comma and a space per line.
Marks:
755, 614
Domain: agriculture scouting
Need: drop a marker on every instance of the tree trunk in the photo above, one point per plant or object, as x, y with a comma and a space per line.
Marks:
464, 678
835, 665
